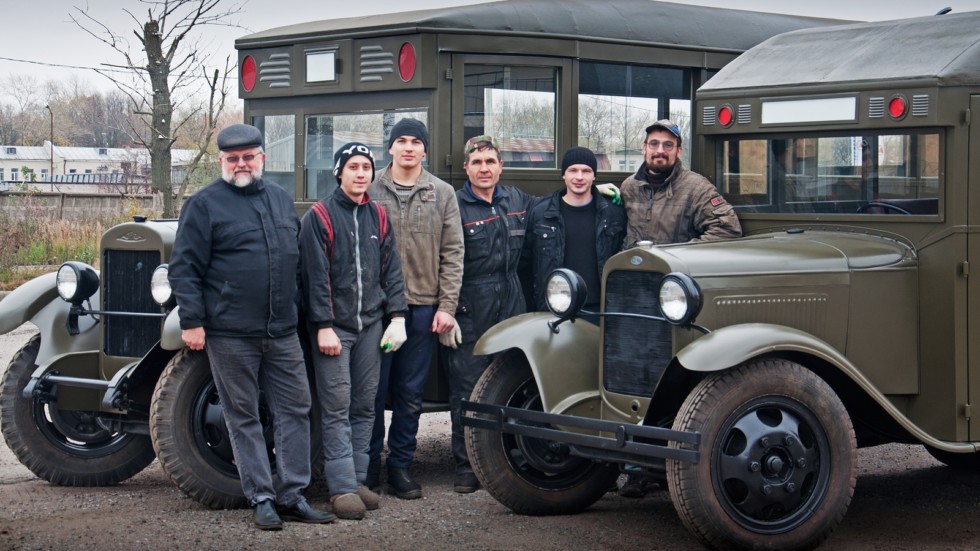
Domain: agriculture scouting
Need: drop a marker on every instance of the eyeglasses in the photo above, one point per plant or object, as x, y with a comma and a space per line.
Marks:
233, 159
654, 144
481, 141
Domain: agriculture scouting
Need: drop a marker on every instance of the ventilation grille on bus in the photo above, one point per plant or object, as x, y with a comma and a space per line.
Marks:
920, 105
876, 107
709, 116
274, 72
744, 114
376, 63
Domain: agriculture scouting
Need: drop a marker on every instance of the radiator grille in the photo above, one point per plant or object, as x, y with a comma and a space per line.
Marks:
635, 351
126, 288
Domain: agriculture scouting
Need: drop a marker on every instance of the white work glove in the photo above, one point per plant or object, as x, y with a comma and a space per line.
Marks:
452, 338
612, 191
394, 336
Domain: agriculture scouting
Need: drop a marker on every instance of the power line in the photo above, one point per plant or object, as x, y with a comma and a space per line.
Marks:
79, 67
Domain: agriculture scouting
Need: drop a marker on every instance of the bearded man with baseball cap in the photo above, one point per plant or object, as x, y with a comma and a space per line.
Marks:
424, 216
236, 291
667, 203
351, 279
576, 227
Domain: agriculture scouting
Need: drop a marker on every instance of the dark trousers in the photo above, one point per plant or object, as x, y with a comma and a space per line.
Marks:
242, 366
404, 372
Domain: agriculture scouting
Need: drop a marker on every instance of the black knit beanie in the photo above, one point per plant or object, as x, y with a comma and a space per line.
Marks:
342, 155
579, 156
409, 127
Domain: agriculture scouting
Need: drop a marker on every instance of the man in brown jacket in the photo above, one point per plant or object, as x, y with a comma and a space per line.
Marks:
424, 215
667, 203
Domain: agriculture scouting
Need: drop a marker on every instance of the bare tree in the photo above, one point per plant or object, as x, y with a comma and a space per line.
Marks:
169, 69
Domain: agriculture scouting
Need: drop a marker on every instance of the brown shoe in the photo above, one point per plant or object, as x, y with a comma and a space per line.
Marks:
347, 506
370, 499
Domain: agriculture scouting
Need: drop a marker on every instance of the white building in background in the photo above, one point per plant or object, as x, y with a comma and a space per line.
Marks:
81, 169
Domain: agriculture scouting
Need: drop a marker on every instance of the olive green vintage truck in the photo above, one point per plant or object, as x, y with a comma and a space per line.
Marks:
744, 374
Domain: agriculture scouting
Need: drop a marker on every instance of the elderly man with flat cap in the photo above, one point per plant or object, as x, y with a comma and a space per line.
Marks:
234, 271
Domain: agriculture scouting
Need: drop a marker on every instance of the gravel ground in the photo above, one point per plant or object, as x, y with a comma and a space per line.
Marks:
904, 500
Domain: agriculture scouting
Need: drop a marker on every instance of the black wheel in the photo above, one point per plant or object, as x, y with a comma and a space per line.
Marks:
190, 435
960, 461
778, 455
69, 448
191, 438
878, 207
529, 475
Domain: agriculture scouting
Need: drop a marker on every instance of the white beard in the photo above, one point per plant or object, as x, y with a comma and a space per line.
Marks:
241, 180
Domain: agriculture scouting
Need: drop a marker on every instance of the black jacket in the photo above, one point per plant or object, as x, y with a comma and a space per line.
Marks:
235, 261
544, 246
493, 235
351, 270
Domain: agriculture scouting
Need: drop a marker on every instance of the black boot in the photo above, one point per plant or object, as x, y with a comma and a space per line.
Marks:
265, 517
402, 484
373, 480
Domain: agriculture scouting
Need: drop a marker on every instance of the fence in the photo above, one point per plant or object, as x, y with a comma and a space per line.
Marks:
71, 206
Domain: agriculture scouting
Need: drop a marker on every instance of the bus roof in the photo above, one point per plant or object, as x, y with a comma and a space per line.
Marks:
938, 50
623, 21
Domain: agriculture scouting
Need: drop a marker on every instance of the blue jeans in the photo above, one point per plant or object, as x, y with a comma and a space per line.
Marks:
346, 386
242, 367
404, 372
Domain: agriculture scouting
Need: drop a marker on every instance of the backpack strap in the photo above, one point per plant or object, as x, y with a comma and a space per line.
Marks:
321, 212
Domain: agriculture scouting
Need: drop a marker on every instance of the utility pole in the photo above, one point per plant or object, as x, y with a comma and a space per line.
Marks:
51, 144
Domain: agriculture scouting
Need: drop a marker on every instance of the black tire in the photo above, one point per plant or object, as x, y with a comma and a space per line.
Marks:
68, 448
778, 459
959, 461
528, 475
190, 436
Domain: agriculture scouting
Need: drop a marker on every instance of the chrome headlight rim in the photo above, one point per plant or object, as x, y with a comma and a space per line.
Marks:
160, 288
679, 298
76, 282
565, 293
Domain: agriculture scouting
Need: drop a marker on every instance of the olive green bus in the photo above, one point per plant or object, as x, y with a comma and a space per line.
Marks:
539, 75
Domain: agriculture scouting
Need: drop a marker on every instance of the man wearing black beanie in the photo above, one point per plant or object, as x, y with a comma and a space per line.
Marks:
424, 216
575, 227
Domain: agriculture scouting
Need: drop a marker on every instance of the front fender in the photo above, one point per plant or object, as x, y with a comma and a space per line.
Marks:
170, 339
732, 345
37, 301
735, 344
565, 364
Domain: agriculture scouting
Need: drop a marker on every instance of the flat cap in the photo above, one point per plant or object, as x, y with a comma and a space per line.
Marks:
239, 136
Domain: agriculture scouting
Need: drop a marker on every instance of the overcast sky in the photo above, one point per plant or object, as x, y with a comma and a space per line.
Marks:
39, 38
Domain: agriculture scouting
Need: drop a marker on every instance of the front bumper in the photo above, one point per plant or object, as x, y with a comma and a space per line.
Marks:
629, 443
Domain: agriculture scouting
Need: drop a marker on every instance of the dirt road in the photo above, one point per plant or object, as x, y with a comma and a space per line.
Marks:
904, 501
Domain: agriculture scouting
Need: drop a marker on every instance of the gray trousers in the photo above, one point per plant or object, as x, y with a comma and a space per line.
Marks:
346, 387
242, 367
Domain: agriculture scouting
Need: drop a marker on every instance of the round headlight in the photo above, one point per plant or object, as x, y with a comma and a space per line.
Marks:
76, 282
565, 293
160, 285
680, 298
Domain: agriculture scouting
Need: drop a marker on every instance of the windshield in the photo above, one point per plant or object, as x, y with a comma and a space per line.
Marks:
835, 174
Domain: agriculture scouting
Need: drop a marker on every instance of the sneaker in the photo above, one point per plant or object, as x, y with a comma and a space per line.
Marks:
402, 484
304, 512
637, 485
347, 506
265, 517
466, 483
370, 499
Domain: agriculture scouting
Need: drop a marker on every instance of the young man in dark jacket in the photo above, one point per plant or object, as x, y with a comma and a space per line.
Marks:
234, 270
575, 227
351, 278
